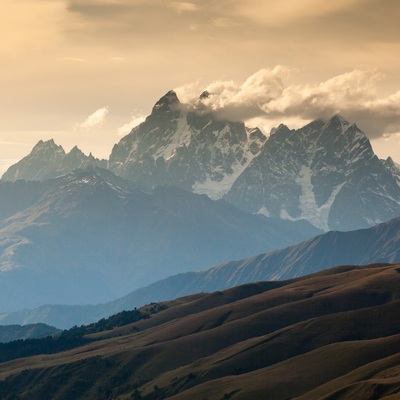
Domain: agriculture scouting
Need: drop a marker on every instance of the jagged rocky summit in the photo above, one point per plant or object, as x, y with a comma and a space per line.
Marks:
49, 160
393, 167
187, 148
326, 173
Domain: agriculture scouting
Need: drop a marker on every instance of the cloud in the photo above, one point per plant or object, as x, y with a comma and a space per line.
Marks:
387, 145
135, 121
244, 100
124, 24
276, 12
181, 7
95, 119
271, 96
99, 7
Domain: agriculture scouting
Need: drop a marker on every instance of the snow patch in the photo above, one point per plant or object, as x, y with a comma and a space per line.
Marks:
310, 211
263, 211
318, 216
217, 189
373, 222
285, 215
181, 137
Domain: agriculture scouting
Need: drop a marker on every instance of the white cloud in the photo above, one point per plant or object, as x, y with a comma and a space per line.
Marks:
135, 121
95, 119
272, 95
188, 92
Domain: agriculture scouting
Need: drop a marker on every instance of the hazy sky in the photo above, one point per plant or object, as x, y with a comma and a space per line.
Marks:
84, 71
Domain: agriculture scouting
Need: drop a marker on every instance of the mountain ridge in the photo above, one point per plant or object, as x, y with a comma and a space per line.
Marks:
49, 160
31, 331
325, 172
377, 244
90, 236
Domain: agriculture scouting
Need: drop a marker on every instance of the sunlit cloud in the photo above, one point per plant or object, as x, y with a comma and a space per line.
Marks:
387, 144
95, 119
271, 95
181, 7
275, 12
189, 92
126, 54
135, 121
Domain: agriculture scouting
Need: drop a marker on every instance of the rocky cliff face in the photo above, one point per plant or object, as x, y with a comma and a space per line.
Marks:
48, 160
186, 148
326, 173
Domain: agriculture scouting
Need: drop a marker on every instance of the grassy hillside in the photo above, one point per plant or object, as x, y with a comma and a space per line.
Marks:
331, 335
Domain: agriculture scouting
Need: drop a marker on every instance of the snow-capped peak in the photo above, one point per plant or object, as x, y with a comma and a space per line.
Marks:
337, 123
169, 102
326, 173
177, 145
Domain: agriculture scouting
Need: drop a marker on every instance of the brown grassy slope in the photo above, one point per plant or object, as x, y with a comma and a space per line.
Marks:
288, 379
379, 379
244, 342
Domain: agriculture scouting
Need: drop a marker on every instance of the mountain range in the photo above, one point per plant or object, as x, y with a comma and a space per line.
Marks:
73, 233
49, 160
30, 331
325, 172
90, 236
185, 191
380, 243
331, 335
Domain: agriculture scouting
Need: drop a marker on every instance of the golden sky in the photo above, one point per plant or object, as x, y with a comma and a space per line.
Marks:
84, 71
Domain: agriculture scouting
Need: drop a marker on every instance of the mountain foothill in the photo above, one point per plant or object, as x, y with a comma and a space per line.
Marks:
330, 335
252, 258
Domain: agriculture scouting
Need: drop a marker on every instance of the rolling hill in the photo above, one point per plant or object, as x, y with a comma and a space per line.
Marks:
330, 335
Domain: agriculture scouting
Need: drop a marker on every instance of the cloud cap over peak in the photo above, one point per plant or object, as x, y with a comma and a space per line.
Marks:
274, 96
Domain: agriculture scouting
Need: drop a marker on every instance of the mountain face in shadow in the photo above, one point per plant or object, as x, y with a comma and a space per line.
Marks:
377, 244
380, 243
331, 335
325, 172
90, 236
